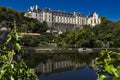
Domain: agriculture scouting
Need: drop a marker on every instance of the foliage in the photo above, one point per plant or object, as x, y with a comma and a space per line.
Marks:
46, 37
30, 41
77, 38
33, 41
108, 63
97, 36
40, 27
108, 31
24, 24
105, 34
11, 68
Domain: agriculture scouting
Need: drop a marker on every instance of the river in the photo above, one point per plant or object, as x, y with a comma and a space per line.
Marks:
62, 66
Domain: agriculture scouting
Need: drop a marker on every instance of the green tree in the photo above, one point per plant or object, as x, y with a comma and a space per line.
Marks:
105, 31
78, 38
31, 41
25, 24
40, 27
2, 8
9, 10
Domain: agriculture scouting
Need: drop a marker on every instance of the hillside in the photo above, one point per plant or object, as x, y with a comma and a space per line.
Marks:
24, 24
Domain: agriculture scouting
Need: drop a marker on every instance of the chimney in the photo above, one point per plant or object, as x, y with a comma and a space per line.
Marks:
74, 13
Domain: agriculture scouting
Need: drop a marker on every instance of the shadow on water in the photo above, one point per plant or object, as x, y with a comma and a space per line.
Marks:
62, 66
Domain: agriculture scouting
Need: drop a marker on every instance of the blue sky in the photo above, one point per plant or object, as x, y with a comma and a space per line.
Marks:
108, 8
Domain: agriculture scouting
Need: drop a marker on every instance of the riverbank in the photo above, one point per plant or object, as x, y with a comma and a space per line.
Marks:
61, 50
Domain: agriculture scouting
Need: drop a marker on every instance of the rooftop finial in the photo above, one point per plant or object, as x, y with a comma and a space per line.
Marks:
31, 8
36, 7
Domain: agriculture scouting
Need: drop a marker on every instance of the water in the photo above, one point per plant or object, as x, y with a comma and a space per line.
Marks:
62, 66
84, 74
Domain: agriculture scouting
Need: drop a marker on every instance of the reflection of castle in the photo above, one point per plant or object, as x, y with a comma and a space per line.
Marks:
57, 66
61, 20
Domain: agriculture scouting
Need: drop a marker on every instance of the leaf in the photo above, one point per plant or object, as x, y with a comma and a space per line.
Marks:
103, 77
11, 53
8, 40
118, 70
17, 46
2, 71
116, 78
114, 70
12, 66
16, 36
12, 78
108, 68
4, 57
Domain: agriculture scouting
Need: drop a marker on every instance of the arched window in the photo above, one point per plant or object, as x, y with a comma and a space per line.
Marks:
94, 20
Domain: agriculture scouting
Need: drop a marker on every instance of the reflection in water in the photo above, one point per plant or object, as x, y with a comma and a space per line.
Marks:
84, 74
58, 66
50, 64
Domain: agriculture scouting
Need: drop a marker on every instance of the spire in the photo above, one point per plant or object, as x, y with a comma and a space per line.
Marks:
31, 8
74, 13
36, 7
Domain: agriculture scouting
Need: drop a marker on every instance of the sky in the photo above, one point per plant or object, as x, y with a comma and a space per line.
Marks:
108, 8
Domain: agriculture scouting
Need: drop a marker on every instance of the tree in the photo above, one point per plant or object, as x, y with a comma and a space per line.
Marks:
2, 9
9, 10
40, 27
7, 15
103, 19
104, 31
78, 38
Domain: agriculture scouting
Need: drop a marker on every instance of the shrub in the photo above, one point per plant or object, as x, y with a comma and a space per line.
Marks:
10, 68
31, 41
109, 66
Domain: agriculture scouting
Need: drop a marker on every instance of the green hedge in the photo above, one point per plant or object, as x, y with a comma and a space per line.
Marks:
31, 41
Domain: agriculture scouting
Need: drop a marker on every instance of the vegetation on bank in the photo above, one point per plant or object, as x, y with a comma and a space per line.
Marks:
24, 24
34, 41
104, 35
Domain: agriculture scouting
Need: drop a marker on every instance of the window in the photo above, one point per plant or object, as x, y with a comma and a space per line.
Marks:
91, 21
94, 20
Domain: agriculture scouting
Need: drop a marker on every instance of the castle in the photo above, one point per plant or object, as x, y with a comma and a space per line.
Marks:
61, 20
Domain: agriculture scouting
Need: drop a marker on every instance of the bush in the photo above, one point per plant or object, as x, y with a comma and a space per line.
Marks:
10, 68
31, 41
109, 66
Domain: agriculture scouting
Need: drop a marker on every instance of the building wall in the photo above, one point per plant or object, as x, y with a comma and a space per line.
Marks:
62, 20
93, 20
